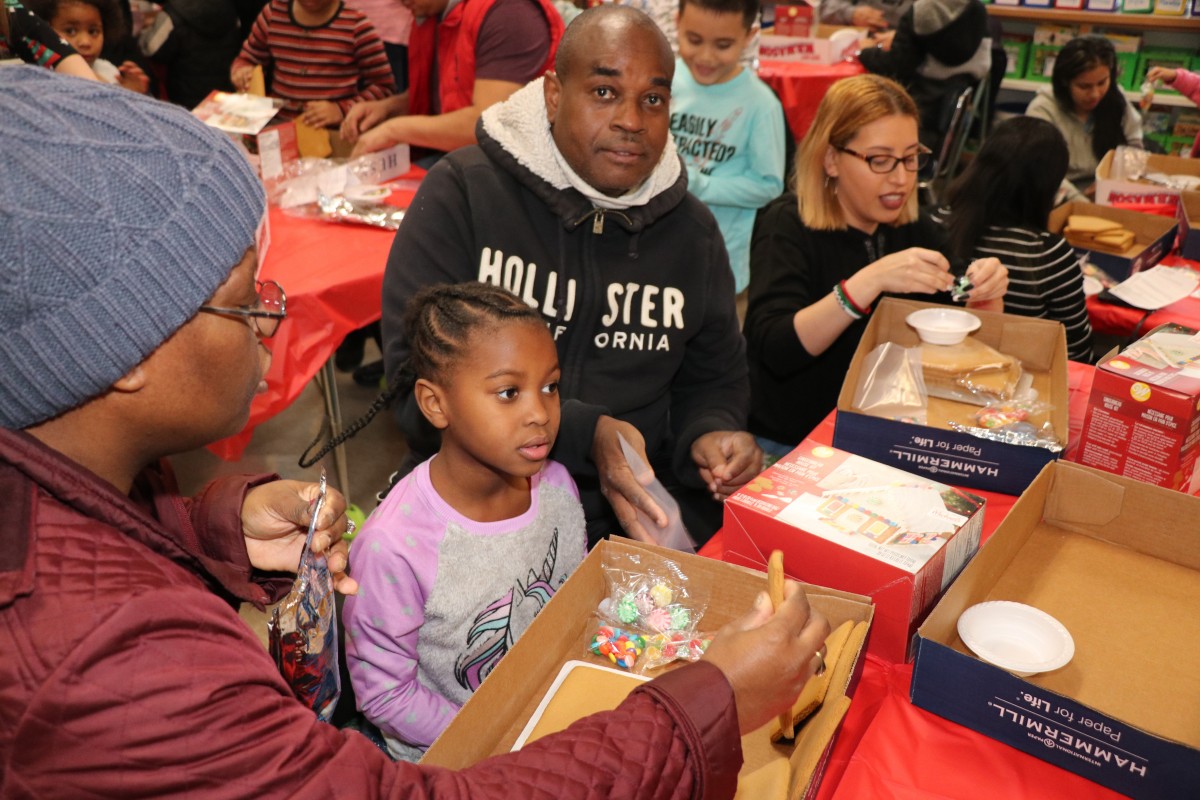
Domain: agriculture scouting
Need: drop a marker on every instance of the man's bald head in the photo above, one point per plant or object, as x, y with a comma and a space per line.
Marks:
599, 24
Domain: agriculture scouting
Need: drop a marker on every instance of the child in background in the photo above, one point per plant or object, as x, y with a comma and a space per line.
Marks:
1184, 82
85, 24
324, 57
728, 124
469, 546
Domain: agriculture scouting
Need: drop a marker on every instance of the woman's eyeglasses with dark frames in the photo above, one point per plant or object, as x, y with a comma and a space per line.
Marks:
265, 315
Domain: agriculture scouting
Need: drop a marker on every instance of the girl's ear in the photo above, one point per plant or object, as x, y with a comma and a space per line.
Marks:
432, 403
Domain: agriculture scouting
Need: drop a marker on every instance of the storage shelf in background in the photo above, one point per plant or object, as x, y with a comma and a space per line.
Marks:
1160, 99
1152, 22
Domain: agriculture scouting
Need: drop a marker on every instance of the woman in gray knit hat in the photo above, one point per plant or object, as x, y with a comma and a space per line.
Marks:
130, 328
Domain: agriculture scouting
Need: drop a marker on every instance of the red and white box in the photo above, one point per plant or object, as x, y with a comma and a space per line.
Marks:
854, 524
1143, 416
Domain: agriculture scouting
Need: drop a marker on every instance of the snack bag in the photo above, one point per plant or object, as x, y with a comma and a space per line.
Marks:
303, 629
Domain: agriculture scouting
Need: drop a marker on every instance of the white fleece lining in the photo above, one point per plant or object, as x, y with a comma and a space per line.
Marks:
520, 126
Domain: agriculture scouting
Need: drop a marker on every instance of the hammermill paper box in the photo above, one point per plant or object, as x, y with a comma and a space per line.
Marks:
854, 524
1117, 562
1143, 416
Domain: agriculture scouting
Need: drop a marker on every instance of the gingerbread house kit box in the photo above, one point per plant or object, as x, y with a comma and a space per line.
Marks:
1143, 416
1117, 563
854, 524
512, 700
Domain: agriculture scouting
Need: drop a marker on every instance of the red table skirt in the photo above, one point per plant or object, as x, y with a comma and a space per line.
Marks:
333, 277
1122, 321
801, 86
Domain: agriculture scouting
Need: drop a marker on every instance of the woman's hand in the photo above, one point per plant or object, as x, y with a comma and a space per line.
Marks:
912, 271
989, 281
275, 518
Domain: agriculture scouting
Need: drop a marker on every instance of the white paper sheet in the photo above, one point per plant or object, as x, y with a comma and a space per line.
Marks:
1157, 287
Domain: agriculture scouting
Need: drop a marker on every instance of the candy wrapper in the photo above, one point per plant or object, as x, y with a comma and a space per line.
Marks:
1021, 433
303, 630
646, 597
664, 648
342, 208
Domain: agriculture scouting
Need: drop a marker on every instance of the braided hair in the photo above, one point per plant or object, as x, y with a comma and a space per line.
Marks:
438, 323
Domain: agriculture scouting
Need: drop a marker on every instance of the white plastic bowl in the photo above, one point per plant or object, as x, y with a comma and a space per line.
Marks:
943, 325
1016, 637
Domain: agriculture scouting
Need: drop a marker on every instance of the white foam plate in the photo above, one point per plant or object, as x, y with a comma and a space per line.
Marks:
943, 325
1016, 637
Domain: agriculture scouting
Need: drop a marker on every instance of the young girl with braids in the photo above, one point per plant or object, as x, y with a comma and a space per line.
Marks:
467, 548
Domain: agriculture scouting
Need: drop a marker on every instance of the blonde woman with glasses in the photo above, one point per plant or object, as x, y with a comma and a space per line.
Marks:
821, 256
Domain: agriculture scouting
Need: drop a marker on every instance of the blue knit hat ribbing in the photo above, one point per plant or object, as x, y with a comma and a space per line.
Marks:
119, 216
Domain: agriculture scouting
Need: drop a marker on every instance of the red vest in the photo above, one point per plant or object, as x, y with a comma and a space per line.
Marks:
455, 38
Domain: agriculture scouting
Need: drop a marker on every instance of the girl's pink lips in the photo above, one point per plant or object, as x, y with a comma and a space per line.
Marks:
536, 449
892, 202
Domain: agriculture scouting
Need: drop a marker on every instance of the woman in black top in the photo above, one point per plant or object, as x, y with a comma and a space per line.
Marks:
821, 257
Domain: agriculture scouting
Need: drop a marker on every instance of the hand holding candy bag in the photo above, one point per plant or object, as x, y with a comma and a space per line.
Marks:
303, 629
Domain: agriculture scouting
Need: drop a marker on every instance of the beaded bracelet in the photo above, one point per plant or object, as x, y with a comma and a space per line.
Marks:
863, 311
844, 302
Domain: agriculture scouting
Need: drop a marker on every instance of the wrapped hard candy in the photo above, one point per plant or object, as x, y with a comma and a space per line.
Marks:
619, 646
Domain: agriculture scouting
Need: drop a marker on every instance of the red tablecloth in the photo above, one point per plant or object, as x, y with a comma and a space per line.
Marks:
888, 748
1121, 320
333, 277
801, 86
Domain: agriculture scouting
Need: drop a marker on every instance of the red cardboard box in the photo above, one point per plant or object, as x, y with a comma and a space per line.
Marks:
1143, 416
854, 524
793, 20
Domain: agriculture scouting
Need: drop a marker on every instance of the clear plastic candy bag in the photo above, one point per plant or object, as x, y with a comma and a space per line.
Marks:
302, 633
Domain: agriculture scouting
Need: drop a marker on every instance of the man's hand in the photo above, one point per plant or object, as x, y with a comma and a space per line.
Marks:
321, 114
768, 656
624, 491
363, 116
275, 518
727, 461
868, 17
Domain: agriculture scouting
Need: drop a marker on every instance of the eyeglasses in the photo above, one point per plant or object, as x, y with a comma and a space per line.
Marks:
266, 314
884, 164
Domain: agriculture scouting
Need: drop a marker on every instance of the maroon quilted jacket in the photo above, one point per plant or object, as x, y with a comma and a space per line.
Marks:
126, 672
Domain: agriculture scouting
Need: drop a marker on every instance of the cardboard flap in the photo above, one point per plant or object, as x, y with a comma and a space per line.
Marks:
1105, 497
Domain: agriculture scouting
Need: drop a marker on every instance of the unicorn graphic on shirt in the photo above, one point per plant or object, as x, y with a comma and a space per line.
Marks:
491, 633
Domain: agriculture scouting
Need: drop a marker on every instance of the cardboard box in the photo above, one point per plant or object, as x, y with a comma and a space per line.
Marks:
847, 522
1188, 215
492, 719
934, 450
833, 48
793, 20
1112, 189
1118, 563
1143, 415
1154, 236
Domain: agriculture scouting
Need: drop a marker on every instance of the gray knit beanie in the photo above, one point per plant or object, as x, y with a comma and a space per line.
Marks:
119, 216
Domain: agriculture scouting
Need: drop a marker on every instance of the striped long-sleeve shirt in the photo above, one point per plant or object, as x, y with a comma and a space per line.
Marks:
1044, 280
342, 60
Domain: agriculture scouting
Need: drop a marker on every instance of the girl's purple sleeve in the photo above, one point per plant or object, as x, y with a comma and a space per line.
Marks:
394, 560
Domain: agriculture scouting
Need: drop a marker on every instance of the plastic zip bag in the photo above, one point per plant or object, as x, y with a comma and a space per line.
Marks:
675, 535
302, 633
